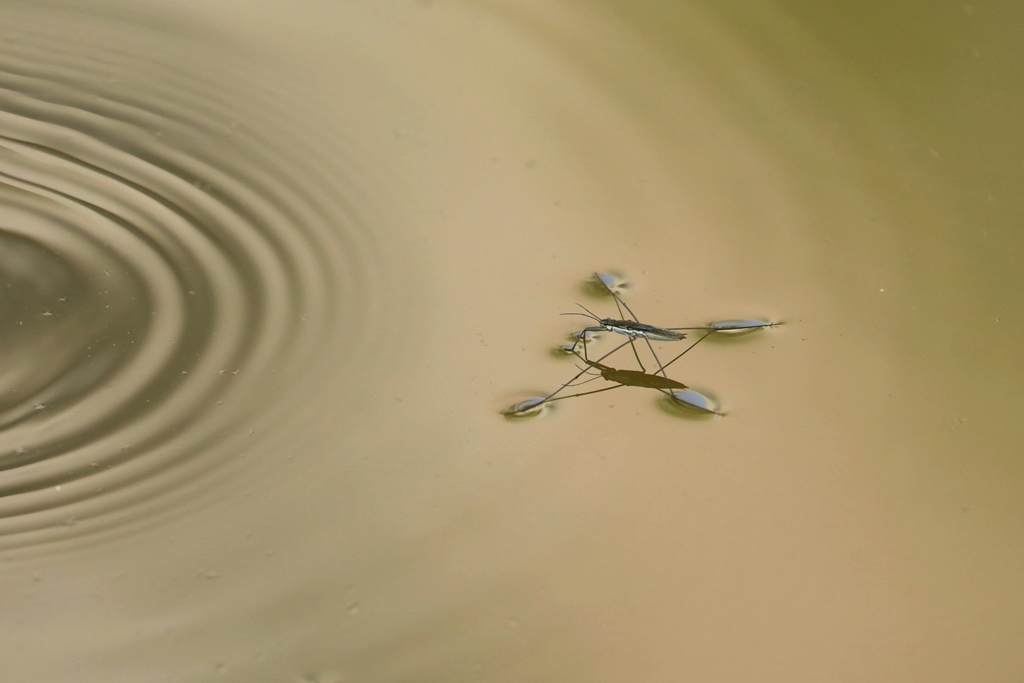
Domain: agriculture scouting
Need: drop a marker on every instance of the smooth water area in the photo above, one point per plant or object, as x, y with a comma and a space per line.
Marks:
270, 273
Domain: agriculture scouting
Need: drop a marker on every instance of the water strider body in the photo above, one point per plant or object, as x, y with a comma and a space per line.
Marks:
633, 330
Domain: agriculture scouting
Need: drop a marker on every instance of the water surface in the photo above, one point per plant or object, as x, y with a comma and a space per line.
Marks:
271, 273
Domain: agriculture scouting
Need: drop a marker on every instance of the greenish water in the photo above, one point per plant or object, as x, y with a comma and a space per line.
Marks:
273, 271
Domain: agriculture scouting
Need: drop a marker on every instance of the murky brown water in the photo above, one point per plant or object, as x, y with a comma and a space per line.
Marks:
269, 275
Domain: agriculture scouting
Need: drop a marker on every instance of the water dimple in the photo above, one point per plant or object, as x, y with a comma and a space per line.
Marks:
601, 284
322, 677
579, 339
741, 326
689, 401
531, 407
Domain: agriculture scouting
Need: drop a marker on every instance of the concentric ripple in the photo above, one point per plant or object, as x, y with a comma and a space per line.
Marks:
167, 272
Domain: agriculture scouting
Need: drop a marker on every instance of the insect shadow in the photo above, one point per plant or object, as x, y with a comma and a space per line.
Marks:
676, 392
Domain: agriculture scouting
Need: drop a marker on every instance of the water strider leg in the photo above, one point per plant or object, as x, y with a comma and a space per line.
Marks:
708, 334
619, 304
585, 393
730, 326
586, 381
661, 368
580, 336
617, 299
632, 345
586, 360
550, 397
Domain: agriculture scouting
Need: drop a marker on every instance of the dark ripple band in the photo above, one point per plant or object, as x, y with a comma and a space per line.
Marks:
170, 262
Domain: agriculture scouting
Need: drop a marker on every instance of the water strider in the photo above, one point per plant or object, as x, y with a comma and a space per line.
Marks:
633, 329
629, 328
